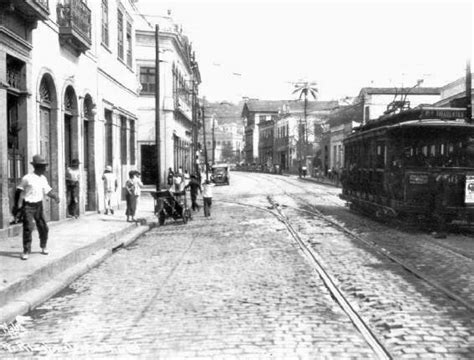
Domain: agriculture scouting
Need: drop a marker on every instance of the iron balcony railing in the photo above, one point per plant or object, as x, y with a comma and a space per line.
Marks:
74, 19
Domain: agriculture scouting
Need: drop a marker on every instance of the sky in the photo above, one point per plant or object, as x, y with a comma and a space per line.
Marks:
260, 48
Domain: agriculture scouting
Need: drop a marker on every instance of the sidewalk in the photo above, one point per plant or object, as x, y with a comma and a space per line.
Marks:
75, 246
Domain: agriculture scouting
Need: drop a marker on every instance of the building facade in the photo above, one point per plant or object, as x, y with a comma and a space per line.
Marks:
253, 112
266, 143
68, 90
179, 79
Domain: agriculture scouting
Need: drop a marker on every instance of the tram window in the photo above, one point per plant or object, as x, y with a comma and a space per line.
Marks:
424, 150
450, 148
442, 149
433, 150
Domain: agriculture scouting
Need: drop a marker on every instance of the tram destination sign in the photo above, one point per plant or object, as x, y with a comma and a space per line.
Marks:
442, 113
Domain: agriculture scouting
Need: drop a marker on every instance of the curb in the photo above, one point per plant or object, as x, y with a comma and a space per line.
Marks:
27, 301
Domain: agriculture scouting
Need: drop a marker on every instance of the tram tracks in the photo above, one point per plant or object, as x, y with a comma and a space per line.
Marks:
376, 345
385, 313
382, 250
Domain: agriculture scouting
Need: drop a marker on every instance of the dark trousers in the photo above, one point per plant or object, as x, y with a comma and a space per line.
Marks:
207, 206
73, 196
131, 204
194, 203
33, 212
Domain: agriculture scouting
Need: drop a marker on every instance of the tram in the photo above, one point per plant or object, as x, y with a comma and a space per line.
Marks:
391, 164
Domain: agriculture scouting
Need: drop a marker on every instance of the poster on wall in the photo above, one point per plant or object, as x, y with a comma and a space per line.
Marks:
469, 198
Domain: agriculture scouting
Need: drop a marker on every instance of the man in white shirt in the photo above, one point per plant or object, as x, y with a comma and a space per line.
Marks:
29, 198
207, 197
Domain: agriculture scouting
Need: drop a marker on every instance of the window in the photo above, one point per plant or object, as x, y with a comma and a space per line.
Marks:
147, 79
108, 137
105, 23
132, 142
129, 44
120, 34
123, 139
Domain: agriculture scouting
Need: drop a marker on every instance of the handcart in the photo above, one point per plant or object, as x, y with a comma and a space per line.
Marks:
171, 205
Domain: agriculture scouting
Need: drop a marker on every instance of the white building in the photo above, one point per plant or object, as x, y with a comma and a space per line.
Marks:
68, 90
179, 77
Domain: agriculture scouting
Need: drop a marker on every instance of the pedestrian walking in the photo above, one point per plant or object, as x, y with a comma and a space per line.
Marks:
194, 186
132, 187
29, 200
170, 177
110, 188
138, 187
73, 188
207, 197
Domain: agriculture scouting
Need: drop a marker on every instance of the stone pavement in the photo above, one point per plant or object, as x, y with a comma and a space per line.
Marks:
75, 246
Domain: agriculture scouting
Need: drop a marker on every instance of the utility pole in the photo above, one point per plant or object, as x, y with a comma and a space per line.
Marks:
204, 135
213, 141
157, 108
468, 91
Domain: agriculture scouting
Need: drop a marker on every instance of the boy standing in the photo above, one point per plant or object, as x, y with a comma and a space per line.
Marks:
72, 185
29, 198
110, 187
207, 197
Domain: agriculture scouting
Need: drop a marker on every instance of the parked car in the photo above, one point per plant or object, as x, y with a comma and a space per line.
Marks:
220, 174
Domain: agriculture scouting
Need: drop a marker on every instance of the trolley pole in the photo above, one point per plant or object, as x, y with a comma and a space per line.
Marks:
157, 108
468, 91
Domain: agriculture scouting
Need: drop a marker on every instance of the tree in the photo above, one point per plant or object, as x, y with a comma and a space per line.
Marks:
304, 89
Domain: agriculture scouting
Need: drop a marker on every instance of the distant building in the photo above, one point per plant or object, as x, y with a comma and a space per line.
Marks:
179, 79
224, 133
339, 124
253, 112
454, 94
297, 140
266, 142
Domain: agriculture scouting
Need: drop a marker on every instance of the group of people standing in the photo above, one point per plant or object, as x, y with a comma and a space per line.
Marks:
180, 181
28, 202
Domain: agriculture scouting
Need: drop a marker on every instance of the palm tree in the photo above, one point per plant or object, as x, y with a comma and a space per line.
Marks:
304, 89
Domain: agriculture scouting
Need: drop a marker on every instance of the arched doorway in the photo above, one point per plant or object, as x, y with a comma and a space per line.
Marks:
49, 139
90, 193
71, 131
71, 128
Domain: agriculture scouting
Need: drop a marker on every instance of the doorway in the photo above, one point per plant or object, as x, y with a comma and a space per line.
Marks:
90, 195
149, 164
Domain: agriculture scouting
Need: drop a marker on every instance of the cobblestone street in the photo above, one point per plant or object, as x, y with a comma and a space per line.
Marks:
237, 286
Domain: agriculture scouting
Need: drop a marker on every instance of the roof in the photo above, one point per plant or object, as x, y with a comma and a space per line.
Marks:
298, 106
265, 105
397, 90
346, 114
294, 106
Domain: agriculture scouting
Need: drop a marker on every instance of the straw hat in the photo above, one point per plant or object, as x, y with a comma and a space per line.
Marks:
39, 160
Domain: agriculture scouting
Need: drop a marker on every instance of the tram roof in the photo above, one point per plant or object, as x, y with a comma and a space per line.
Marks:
418, 113
440, 117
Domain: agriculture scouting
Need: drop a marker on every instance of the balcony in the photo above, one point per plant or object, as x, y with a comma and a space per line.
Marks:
183, 105
74, 20
31, 10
